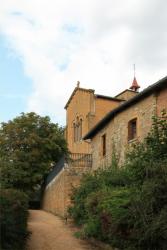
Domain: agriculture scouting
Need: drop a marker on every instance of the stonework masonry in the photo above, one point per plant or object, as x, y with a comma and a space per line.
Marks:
57, 194
117, 132
127, 94
90, 108
161, 101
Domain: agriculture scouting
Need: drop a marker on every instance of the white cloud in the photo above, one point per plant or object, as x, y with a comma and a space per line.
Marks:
96, 42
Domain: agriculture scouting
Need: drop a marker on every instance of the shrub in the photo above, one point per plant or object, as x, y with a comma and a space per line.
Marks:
149, 209
78, 210
108, 214
127, 207
92, 183
13, 219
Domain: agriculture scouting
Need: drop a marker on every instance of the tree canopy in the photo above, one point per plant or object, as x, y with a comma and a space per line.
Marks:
29, 147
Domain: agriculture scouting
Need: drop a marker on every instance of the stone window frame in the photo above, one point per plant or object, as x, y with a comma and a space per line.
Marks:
132, 129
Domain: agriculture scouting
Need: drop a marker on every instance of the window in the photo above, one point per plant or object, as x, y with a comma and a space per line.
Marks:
132, 129
104, 145
77, 128
74, 131
80, 129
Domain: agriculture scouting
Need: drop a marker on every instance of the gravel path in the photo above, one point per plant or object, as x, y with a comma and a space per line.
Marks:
49, 232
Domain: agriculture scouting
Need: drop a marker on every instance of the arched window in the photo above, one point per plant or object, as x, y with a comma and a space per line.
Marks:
74, 132
80, 129
77, 128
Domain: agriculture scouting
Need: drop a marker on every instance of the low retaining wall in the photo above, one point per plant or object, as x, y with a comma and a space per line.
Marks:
56, 198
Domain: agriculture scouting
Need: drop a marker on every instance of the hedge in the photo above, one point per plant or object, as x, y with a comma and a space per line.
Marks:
13, 219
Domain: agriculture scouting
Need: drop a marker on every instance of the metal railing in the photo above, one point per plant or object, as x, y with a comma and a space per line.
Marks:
80, 160
72, 160
56, 169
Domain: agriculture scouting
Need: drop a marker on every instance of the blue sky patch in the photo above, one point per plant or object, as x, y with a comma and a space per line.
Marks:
15, 87
72, 28
16, 13
63, 66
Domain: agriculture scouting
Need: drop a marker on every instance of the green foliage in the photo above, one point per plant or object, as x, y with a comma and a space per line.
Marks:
101, 179
29, 146
100, 205
149, 208
78, 212
127, 207
13, 219
153, 150
107, 210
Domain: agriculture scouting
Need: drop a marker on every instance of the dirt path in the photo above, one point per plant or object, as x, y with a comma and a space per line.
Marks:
50, 233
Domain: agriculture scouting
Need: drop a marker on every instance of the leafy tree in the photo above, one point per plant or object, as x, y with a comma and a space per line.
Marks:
29, 147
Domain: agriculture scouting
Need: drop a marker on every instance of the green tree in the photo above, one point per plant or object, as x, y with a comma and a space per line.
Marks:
30, 145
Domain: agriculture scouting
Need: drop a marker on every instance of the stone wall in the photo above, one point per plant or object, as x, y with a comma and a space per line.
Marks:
127, 94
85, 105
57, 193
161, 101
117, 131
102, 107
79, 106
56, 198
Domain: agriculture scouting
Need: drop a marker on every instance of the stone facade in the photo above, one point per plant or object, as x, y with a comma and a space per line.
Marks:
84, 105
112, 117
126, 94
161, 101
83, 110
117, 129
117, 132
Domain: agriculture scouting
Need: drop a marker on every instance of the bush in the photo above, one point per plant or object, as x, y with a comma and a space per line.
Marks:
100, 204
108, 210
92, 183
13, 219
147, 167
149, 209
127, 207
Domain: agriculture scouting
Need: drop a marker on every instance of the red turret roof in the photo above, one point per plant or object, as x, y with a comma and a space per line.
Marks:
135, 86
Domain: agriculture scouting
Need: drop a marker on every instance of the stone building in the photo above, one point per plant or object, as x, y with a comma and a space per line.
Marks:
129, 122
107, 125
83, 110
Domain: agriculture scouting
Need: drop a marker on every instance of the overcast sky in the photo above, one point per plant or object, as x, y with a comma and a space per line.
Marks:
46, 46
